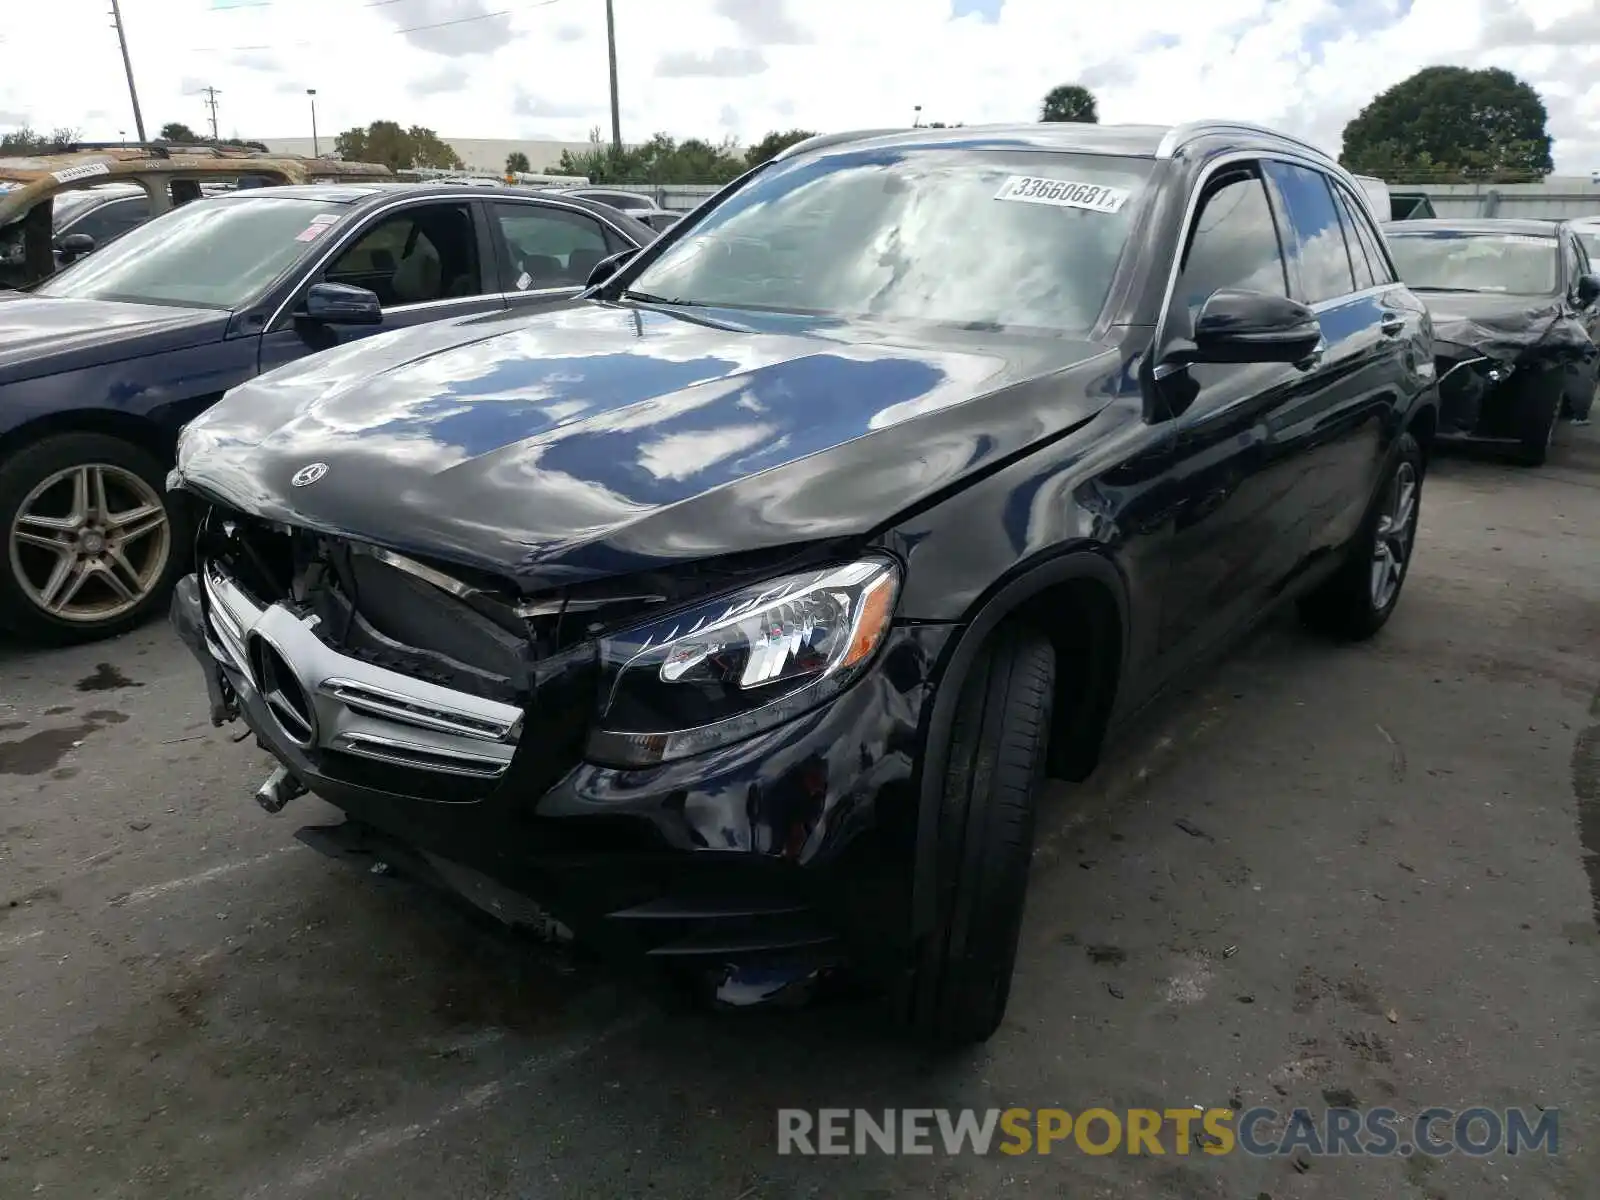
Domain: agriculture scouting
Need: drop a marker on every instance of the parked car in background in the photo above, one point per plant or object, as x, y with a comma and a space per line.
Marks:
1516, 322
637, 205
101, 365
735, 612
34, 243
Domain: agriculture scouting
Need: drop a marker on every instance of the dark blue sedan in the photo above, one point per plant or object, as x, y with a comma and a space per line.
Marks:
101, 365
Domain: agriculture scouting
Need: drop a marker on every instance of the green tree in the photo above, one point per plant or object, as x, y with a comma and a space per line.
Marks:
1451, 123
774, 144
1070, 102
661, 160
517, 161
177, 131
398, 149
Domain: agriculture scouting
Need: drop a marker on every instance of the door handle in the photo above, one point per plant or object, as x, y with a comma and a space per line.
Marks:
1392, 325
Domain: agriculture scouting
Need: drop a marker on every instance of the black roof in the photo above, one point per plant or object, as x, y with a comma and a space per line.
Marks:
1523, 225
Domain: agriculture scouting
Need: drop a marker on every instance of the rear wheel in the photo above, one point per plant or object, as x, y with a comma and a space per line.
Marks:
91, 545
996, 764
1357, 601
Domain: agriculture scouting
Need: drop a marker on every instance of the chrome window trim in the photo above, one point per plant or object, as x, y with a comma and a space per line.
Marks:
1232, 159
432, 197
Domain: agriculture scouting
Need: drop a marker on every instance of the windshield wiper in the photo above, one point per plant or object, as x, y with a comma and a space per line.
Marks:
649, 298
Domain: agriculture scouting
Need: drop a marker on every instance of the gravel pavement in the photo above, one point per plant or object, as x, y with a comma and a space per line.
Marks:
1323, 875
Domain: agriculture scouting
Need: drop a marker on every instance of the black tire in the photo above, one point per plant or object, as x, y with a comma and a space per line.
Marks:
998, 745
29, 466
1536, 420
1344, 606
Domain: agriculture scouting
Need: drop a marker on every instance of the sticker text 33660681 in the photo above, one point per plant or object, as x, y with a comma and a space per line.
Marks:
1062, 193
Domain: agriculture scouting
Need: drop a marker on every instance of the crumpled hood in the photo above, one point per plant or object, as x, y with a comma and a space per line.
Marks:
1503, 326
39, 332
599, 439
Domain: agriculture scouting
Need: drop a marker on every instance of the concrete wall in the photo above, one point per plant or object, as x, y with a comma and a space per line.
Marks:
1563, 197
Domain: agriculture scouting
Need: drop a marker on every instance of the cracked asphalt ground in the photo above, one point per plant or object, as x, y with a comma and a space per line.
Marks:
1391, 837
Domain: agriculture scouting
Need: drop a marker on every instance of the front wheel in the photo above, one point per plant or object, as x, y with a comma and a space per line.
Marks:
1536, 427
998, 746
1356, 601
91, 545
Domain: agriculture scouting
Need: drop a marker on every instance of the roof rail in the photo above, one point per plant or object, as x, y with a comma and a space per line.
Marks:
823, 140
1180, 135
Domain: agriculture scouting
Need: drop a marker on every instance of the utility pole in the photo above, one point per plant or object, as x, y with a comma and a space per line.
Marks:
611, 49
127, 66
211, 103
316, 149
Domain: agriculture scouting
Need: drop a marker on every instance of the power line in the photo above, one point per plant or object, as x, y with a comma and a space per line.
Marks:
504, 12
211, 95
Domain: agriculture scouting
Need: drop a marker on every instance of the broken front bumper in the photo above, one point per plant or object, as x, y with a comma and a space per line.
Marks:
796, 842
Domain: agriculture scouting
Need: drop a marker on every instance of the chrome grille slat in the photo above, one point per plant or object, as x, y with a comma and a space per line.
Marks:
358, 709
375, 703
408, 754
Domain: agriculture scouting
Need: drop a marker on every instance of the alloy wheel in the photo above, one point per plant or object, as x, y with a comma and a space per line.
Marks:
1396, 527
89, 543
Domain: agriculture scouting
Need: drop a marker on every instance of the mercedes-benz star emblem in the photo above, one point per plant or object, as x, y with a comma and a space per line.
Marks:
308, 474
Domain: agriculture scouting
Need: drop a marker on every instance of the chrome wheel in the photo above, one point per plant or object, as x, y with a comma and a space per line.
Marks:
89, 543
1396, 527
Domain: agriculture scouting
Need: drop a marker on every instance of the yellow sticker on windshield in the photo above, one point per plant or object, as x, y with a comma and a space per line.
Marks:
1062, 193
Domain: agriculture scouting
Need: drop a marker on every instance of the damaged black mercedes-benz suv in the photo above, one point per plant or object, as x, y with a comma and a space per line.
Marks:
1516, 321
729, 617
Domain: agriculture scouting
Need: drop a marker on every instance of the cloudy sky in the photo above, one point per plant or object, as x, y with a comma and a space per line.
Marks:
710, 68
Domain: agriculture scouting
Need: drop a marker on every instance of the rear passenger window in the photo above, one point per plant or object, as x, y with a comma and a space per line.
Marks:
1315, 236
1371, 243
1358, 254
1234, 244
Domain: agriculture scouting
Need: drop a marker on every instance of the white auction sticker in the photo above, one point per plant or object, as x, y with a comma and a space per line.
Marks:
1062, 193
325, 219
68, 174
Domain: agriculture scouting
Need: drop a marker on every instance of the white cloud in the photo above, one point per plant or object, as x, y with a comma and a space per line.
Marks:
749, 66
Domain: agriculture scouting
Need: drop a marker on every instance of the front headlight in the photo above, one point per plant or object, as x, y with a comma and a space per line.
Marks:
732, 667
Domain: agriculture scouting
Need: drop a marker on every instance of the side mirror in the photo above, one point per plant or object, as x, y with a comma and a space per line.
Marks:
607, 267
1237, 326
74, 246
1588, 290
342, 304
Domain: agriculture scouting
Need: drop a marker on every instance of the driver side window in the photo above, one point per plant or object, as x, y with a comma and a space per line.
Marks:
1575, 267
1234, 243
416, 256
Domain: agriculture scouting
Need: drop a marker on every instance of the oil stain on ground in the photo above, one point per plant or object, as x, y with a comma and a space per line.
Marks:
106, 678
43, 751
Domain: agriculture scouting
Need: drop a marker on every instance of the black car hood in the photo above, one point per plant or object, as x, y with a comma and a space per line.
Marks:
42, 334
601, 439
1501, 325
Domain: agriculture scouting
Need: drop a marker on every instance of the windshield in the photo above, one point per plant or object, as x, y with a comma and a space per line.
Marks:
209, 253
979, 239
1451, 260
